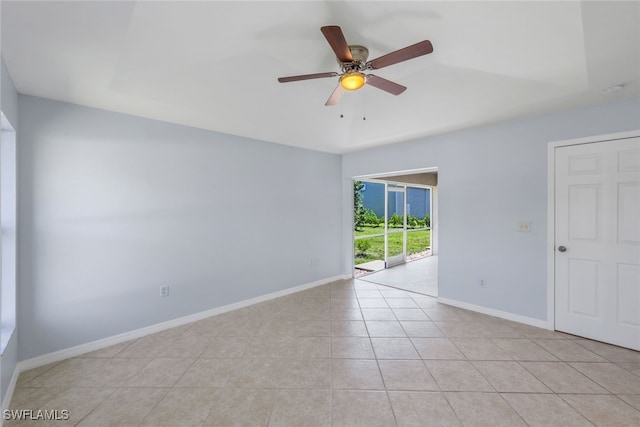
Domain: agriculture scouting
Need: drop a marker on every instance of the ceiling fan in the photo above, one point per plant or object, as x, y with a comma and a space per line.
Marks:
353, 63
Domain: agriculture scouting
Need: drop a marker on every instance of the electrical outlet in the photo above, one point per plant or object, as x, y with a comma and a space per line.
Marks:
483, 284
524, 226
164, 290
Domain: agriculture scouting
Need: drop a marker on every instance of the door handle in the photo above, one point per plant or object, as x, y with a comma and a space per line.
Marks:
562, 249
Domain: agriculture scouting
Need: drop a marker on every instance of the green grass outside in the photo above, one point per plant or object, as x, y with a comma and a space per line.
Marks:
417, 241
365, 231
368, 230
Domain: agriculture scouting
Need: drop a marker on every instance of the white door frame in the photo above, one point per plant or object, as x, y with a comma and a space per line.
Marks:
374, 177
396, 188
551, 208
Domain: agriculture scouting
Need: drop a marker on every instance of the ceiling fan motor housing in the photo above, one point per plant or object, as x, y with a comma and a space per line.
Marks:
360, 55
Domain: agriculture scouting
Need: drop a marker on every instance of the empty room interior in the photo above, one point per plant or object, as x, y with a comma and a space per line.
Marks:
187, 191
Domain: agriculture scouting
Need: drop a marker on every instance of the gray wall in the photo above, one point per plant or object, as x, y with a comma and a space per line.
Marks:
477, 225
113, 206
9, 106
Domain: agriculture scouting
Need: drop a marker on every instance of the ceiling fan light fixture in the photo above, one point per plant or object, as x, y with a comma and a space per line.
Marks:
352, 81
353, 61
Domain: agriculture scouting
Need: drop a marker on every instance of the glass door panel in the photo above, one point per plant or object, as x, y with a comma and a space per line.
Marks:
418, 222
396, 222
367, 249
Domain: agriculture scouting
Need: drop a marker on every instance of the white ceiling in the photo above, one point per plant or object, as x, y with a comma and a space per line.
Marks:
214, 65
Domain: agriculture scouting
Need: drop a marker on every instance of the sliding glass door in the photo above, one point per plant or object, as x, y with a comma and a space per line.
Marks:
396, 225
392, 224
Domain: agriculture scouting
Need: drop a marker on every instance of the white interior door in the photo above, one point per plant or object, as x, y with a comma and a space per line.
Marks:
597, 241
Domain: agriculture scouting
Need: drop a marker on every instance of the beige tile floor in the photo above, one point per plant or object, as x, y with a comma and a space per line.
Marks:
350, 353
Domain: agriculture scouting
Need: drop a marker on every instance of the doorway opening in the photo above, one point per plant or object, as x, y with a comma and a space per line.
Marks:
394, 237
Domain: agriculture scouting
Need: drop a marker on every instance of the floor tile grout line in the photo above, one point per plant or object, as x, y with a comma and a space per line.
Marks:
331, 378
453, 409
40, 374
512, 408
566, 364
96, 407
580, 339
581, 412
156, 405
384, 385
273, 405
562, 339
588, 377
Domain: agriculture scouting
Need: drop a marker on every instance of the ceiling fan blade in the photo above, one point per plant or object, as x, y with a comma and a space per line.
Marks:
336, 40
386, 85
335, 96
306, 77
422, 48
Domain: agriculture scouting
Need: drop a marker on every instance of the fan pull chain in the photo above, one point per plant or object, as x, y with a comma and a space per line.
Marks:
364, 107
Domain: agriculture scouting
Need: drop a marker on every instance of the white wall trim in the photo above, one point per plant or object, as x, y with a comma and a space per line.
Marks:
10, 389
551, 232
395, 173
551, 226
59, 355
493, 312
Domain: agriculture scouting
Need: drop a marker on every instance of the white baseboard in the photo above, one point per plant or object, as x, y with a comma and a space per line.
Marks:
496, 313
67, 353
7, 397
